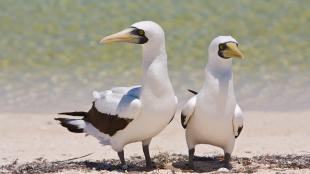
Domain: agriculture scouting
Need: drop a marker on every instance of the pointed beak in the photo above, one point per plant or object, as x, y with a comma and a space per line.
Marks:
122, 36
233, 51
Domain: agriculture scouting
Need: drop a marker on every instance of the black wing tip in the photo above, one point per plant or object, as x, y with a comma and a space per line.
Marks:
75, 130
59, 119
183, 118
239, 131
171, 119
62, 113
78, 113
192, 91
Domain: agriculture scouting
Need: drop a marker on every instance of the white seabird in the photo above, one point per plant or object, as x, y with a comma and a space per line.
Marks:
124, 115
213, 116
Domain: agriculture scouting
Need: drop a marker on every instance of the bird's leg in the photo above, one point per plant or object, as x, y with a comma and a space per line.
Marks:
122, 159
145, 147
227, 160
148, 161
191, 153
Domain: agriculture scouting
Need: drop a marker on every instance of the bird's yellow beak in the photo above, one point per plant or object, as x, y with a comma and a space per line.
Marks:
232, 51
123, 36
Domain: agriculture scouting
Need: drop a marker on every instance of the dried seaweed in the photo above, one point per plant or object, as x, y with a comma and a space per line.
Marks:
172, 162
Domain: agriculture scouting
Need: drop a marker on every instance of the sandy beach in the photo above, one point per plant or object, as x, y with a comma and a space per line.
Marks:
34, 137
51, 61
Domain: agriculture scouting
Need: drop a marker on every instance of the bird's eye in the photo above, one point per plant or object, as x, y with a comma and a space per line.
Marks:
140, 32
221, 46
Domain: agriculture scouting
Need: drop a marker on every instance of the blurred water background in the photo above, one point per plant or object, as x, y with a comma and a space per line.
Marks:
50, 60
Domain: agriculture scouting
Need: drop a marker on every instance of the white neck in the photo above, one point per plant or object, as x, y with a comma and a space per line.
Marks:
219, 69
153, 52
219, 65
155, 77
219, 79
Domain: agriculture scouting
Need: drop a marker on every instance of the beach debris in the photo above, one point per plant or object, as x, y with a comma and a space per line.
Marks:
163, 161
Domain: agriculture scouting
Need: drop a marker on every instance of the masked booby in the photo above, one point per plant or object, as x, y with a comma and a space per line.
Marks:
124, 115
212, 116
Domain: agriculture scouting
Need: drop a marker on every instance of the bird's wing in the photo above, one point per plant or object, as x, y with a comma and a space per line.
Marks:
188, 110
122, 102
114, 109
237, 121
132, 90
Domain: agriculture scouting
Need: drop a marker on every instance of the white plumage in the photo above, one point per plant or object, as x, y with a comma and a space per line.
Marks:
152, 105
103, 138
121, 101
141, 111
189, 109
213, 116
237, 120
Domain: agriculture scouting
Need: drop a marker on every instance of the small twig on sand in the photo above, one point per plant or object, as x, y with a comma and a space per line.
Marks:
71, 159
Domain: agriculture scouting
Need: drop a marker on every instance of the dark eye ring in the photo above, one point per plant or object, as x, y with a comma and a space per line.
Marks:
222, 46
140, 32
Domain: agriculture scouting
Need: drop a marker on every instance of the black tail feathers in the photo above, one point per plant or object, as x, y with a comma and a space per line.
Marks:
192, 91
73, 125
78, 113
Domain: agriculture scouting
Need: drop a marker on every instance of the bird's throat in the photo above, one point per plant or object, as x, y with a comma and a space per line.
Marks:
155, 77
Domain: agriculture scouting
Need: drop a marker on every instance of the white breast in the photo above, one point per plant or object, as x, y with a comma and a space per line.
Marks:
212, 121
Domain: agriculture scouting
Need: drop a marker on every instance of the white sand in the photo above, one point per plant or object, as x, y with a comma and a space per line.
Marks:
29, 136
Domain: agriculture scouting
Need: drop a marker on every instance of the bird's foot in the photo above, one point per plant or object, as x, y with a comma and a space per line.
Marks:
191, 165
191, 153
150, 166
125, 167
122, 159
227, 166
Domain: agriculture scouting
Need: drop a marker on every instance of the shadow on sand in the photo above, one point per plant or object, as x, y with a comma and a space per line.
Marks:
165, 161
202, 164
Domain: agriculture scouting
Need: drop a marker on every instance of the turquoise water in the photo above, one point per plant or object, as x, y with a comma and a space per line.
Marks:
50, 59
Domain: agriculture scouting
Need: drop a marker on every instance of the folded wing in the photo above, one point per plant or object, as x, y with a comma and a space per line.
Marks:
114, 109
187, 111
237, 121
